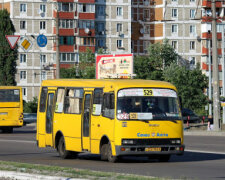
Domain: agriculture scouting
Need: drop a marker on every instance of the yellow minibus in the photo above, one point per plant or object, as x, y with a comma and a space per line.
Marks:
113, 118
11, 108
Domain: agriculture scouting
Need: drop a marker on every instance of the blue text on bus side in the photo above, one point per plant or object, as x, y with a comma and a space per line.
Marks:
143, 135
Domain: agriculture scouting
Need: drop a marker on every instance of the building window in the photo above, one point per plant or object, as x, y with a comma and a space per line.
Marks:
24, 91
86, 8
42, 25
100, 11
66, 40
192, 45
43, 8
119, 11
22, 24
174, 45
23, 58
100, 43
67, 23
119, 27
100, 27
119, 44
86, 24
43, 58
192, 29
145, 46
66, 7
43, 75
23, 8
87, 41
174, 28
192, 13
192, 0
174, 13
146, 13
192, 61
68, 57
146, 29
23, 75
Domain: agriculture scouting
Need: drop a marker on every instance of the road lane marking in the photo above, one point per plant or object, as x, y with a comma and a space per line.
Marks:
210, 152
17, 141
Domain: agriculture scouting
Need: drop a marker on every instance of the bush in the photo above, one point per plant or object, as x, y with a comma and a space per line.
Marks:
31, 106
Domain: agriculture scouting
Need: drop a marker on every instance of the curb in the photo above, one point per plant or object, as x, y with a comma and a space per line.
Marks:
204, 133
25, 176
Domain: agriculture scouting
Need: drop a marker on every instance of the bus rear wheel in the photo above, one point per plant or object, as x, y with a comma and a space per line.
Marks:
63, 153
7, 130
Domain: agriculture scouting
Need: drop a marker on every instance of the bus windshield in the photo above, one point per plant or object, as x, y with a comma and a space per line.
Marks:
147, 104
9, 95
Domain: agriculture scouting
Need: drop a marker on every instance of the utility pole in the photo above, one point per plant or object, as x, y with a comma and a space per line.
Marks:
210, 78
216, 102
223, 71
57, 43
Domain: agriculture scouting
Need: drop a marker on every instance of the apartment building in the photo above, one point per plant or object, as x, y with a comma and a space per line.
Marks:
118, 26
176, 20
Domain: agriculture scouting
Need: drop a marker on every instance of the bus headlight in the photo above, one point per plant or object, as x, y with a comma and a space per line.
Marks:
176, 141
127, 141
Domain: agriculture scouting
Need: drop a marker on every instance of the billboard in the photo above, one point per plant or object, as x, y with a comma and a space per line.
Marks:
114, 66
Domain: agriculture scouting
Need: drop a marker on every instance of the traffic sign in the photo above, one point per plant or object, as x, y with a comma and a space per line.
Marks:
12, 40
42, 40
25, 43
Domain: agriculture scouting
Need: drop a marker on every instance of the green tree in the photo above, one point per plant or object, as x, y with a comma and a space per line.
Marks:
85, 68
8, 56
161, 55
31, 106
190, 85
144, 69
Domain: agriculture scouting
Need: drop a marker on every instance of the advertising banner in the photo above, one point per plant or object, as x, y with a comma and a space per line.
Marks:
114, 66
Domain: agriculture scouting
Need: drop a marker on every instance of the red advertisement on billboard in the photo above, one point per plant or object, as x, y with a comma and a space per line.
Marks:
114, 66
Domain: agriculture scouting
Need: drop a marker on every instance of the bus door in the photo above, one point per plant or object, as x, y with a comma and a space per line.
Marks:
86, 121
49, 118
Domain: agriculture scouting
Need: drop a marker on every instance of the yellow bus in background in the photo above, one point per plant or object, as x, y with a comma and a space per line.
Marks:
113, 118
11, 108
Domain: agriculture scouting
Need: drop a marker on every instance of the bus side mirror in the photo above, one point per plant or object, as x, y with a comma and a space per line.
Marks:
180, 100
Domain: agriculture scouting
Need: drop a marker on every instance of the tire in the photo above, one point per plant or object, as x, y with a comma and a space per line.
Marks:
104, 154
110, 157
163, 158
63, 153
7, 130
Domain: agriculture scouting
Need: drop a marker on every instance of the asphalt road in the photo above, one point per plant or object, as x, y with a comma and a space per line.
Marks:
204, 158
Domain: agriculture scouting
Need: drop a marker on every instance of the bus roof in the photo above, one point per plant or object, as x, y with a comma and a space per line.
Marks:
116, 83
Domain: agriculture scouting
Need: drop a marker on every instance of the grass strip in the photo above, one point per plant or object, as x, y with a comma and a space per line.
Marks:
68, 172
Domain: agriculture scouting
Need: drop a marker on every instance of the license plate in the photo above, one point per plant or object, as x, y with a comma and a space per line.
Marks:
153, 149
3, 113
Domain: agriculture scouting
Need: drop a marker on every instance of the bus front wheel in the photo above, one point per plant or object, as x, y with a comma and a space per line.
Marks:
63, 153
110, 157
104, 155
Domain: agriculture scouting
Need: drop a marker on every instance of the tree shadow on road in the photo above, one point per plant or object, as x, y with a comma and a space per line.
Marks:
187, 157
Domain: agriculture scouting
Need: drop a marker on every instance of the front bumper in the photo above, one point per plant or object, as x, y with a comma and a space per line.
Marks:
142, 150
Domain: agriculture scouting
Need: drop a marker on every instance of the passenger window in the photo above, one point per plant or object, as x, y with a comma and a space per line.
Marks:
60, 100
108, 105
73, 100
97, 101
43, 99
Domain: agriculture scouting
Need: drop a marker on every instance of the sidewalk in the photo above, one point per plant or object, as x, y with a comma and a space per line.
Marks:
11, 175
201, 130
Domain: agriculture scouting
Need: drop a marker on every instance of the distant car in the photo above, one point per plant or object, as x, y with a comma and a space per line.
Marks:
29, 118
193, 118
